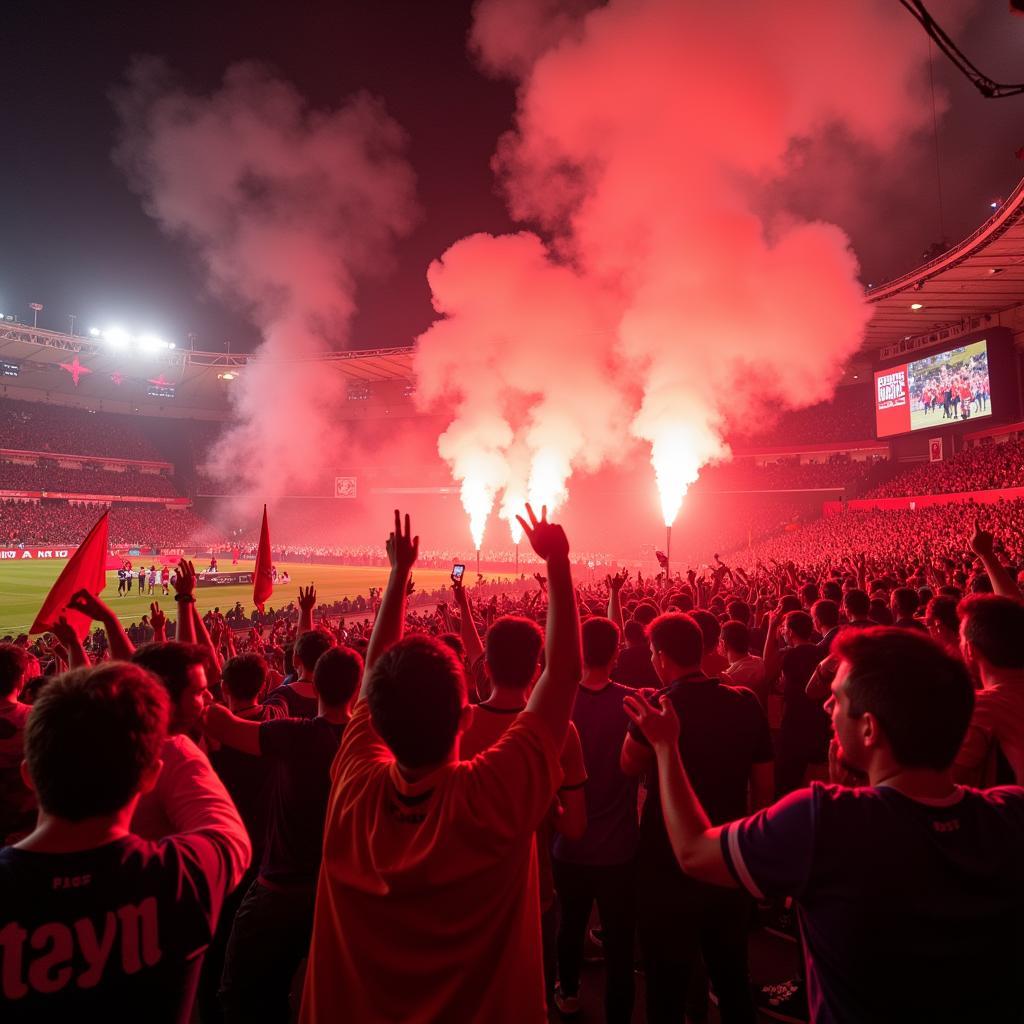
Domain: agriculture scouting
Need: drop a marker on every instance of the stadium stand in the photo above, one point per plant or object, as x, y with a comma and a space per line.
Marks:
982, 467
48, 476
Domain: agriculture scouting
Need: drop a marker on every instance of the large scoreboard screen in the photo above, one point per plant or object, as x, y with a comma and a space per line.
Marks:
939, 390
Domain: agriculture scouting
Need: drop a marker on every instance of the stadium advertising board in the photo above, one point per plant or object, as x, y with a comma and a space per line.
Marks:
934, 391
222, 579
34, 554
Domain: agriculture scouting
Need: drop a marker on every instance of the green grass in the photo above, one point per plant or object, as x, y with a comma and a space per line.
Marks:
24, 585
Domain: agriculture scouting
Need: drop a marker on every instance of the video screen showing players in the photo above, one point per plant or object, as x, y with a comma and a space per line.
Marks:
937, 390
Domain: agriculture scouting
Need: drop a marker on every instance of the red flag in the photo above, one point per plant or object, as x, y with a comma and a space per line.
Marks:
263, 580
86, 570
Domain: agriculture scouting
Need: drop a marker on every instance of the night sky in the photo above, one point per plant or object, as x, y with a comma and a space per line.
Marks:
75, 238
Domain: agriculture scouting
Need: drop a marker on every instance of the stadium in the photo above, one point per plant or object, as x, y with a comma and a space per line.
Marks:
512, 511
108, 436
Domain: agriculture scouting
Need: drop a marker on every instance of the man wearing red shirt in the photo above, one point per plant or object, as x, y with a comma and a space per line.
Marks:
427, 905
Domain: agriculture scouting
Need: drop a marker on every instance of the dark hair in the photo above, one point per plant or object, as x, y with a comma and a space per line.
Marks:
921, 696
682, 601
709, 626
634, 632
677, 635
512, 650
739, 611
14, 663
416, 692
994, 626
170, 661
878, 611
856, 603
91, 735
309, 647
905, 601
454, 641
944, 609
736, 636
600, 642
826, 612
645, 613
243, 676
800, 624
809, 593
832, 591
337, 674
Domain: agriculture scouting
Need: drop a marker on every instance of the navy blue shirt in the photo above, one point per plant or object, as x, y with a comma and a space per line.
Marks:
302, 750
612, 826
723, 733
908, 911
286, 702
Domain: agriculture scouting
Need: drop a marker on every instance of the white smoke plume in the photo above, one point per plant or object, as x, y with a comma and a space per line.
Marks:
286, 207
656, 300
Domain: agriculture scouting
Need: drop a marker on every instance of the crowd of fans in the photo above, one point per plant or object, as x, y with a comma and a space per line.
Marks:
849, 416
38, 427
59, 522
46, 476
979, 468
409, 815
836, 471
893, 537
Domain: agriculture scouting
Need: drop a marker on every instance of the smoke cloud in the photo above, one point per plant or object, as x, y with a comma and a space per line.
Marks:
287, 207
658, 301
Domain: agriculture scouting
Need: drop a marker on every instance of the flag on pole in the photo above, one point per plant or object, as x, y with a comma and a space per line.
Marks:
263, 579
86, 570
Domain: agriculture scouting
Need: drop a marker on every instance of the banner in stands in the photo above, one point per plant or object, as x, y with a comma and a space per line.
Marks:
34, 495
832, 508
935, 391
222, 579
32, 554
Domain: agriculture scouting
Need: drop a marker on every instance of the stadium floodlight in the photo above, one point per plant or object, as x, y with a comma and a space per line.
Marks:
151, 343
917, 305
116, 337
95, 332
226, 376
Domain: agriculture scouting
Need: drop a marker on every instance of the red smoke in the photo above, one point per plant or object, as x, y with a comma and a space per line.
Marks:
287, 207
662, 305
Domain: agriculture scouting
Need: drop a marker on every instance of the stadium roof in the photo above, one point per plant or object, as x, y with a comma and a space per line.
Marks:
46, 362
981, 275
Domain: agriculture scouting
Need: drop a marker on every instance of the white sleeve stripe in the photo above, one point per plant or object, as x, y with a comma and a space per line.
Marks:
739, 865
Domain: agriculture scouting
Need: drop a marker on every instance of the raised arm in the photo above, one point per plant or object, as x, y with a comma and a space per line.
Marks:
185, 595
615, 584
77, 658
121, 648
983, 545
307, 602
402, 550
772, 656
238, 733
555, 693
470, 636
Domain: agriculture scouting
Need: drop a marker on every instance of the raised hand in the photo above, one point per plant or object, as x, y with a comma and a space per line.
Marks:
982, 542
307, 598
403, 549
459, 593
64, 633
547, 539
410, 587
661, 727
89, 605
157, 619
185, 579
617, 581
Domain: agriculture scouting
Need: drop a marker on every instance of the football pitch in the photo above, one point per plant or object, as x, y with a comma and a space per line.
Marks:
24, 585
